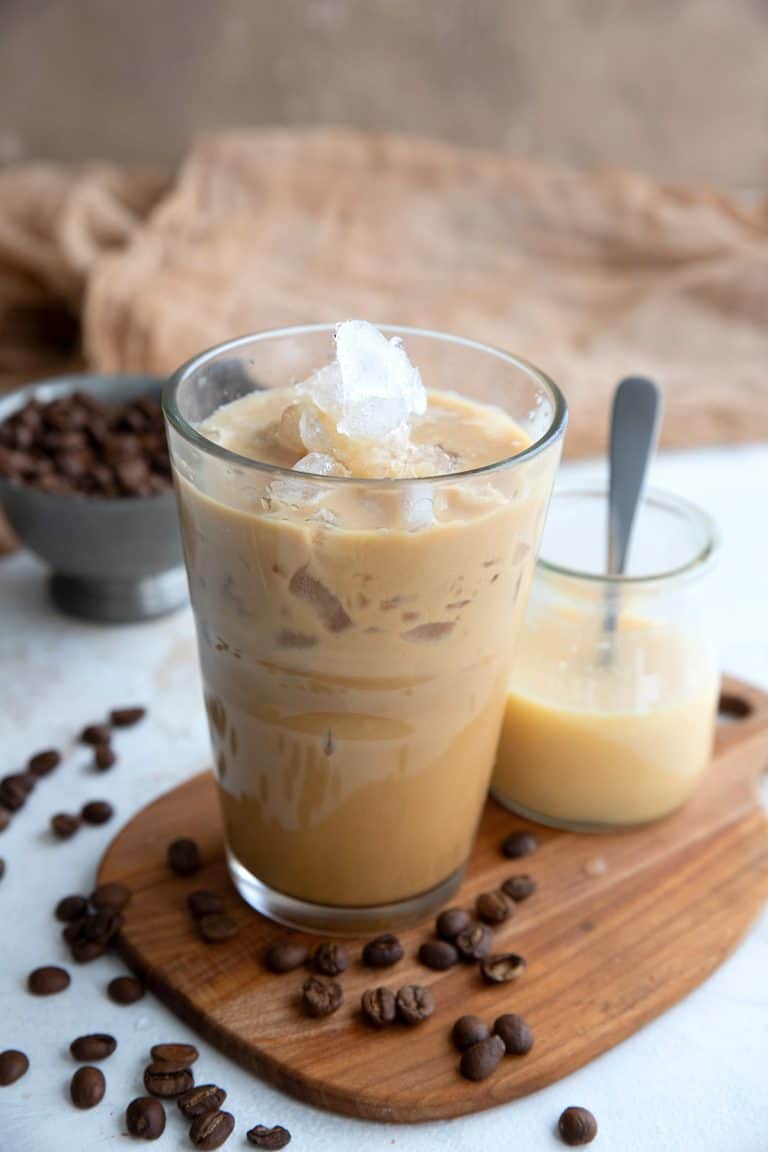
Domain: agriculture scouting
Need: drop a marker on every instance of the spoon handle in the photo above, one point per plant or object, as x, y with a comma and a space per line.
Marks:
635, 421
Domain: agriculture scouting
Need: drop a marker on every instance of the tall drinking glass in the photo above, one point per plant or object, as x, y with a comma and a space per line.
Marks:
356, 636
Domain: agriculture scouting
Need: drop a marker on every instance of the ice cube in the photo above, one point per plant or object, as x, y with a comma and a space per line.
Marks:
320, 464
380, 389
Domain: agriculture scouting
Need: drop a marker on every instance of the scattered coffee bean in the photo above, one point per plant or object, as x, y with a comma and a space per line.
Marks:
97, 812
414, 1003
112, 895
71, 908
382, 951
204, 1098
493, 907
451, 922
379, 1007
87, 1087
577, 1126
183, 856
438, 954
271, 1138
14, 790
519, 844
145, 1118
519, 888
321, 996
103, 757
125, 990
13, 1065
95, 1046
2, 867
5, 818
482, 1058
44, 762
84, 951
89, 935
48, 981
217, 927
166, 1079
211, 1130
95, 734
469, 1030
184, 1055
126, 717
330, 959
502, 968
202, 903
285, 957
517, 1036
474, 942
64, 825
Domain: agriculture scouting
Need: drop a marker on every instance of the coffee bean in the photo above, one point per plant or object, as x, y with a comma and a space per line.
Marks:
95, 1046
167, 1079
44, 762
202, 903
71, 908
14, 790
438, 954
64, 825
482, 1058
517, 1036
321, 996
145, 1118
285, 956
474, 942
493, 907
183, 1054
204, 1098
519, 887
379, 1007
5, 817
48, 981
519, 844
414, 1003
112, 895
168, 1067
451, 922
271, 1138
126, 717
502, 968
102, 925
577, 1126
469, 1030
2, 867
217, 927
125, 990
97, 812
211, 1130
95, 734
103, 757
382, 951
13, 1065
330, 959
87, 1087
183, 857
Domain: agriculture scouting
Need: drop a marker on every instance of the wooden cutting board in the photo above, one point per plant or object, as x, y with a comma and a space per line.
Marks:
607, 950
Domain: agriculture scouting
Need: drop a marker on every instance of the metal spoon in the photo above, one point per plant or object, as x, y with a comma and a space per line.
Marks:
635, 419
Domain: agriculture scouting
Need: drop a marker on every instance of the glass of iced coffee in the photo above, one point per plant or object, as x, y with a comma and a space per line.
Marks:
608, 728
361, 511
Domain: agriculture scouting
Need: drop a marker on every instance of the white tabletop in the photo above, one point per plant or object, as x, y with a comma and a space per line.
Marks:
694, 1079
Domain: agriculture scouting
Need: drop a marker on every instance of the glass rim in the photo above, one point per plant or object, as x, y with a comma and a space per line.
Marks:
657, 498
554, 432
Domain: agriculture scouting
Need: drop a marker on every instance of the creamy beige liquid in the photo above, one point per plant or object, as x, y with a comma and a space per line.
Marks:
355, 649
616, 745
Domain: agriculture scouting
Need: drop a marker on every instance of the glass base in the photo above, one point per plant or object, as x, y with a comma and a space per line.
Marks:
324, 918
585, 827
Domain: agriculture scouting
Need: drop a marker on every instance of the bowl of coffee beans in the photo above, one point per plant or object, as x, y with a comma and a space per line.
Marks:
85, 481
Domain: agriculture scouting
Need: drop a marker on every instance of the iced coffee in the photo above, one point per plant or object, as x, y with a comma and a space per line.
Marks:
359, 549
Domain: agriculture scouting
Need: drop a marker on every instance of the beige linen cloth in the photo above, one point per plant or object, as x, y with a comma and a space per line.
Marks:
590, 275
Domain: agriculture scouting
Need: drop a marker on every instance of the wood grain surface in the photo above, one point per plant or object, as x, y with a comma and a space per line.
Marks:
605, 953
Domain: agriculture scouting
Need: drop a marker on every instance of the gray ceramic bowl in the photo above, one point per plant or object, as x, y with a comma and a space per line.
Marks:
113, 559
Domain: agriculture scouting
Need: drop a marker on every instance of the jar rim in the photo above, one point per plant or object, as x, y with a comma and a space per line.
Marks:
553, 433
699, 563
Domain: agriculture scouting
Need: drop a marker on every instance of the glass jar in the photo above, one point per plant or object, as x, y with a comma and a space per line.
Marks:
606, 729
355, 636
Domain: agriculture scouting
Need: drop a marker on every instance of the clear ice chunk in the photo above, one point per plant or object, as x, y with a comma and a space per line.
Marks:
380, 389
